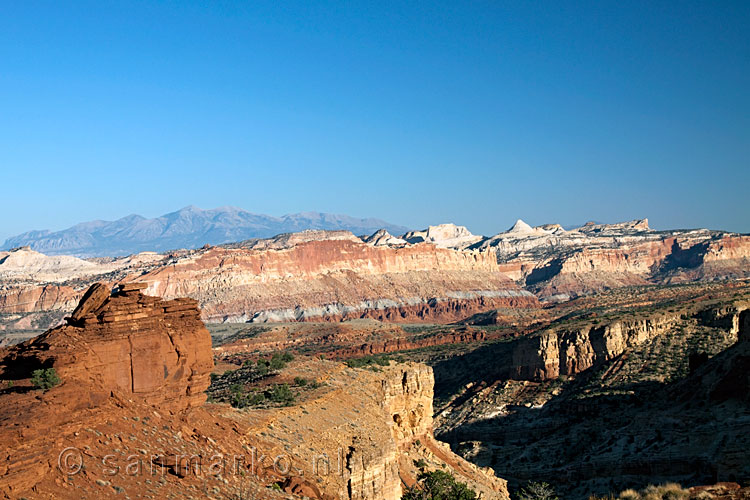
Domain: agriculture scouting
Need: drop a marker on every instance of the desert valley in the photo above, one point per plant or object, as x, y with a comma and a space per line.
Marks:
330, 365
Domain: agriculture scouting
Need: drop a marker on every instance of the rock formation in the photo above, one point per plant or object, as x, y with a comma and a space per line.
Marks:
567, 352
360, 434
127, 342
382, 238
337, 279
133, 370
444, 235
571, 350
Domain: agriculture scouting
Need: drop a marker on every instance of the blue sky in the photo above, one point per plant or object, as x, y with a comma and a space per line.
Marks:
416, 112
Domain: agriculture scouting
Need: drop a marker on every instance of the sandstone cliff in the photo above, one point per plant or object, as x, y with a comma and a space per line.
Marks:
649, 396
128, 343
309, 276
337, 279
567, 352
121, 354
360, 434
573, 349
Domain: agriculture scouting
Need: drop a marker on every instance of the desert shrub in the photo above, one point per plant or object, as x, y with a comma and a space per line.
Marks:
277, 362
630, 494
368, 361
537, 491
704, 495
256, 398
287, 357
281, 394
438, 485
300, 381
44, 378
262, 367
420, 464
669, 491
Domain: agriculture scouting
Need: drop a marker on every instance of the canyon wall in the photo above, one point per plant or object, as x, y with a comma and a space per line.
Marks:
133, 369
571, 350
361, 434
332, 276
554, 353
290, 278
339, 279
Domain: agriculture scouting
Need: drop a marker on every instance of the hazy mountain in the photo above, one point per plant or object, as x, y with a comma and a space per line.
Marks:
189, 227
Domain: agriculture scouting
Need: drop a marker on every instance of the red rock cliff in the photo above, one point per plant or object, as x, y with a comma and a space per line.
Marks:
126, 342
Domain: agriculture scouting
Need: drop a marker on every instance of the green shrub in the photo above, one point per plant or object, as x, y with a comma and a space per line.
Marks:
45, 378
300, 381
256, 399
368, 361
262, 366
438, 485
281, 394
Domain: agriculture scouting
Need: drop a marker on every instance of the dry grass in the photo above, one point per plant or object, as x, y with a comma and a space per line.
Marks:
668, 491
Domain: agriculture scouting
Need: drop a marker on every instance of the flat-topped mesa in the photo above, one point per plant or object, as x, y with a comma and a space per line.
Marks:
127, 343
444, 235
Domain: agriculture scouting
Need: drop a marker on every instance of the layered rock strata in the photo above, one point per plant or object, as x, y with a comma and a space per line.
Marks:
339, 279
127, 342
443, 274
556, 352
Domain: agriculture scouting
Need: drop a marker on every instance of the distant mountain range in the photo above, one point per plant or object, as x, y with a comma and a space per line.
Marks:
190, 227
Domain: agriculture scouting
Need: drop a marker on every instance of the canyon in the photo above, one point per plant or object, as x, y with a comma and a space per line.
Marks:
605, 399
129, 416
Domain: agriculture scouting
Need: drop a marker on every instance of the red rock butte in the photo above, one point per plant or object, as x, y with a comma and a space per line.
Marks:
126, 342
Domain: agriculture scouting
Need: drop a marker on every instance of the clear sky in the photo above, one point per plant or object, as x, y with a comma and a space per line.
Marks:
476, 113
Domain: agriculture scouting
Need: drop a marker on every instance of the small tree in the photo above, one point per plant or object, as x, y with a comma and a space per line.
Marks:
44, 378
537, 491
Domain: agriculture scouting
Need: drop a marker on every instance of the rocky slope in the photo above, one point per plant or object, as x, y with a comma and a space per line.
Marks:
362, 431
556, 264
604, 402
